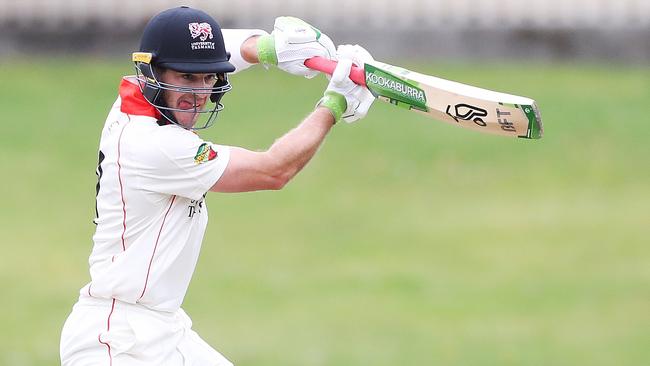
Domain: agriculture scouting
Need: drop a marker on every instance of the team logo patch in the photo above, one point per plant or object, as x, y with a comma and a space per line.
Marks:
202, 31
204, 154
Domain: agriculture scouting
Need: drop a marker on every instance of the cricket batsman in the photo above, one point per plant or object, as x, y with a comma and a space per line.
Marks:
154, 172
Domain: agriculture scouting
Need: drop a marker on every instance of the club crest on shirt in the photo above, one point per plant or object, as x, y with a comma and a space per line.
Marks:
204, 154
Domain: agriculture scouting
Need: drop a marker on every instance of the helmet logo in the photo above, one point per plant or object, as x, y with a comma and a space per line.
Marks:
202, 31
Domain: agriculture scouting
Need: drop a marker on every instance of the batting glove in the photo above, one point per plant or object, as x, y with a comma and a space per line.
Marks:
291, 43
343, 97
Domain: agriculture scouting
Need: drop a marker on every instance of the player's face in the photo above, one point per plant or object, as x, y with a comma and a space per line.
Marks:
187, 101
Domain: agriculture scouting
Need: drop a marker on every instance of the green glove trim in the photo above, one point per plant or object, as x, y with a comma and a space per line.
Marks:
335, 102
266, 50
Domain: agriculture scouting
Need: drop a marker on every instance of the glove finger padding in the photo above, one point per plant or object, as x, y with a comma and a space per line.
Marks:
356, 53
295, 41
359, 99
340, 76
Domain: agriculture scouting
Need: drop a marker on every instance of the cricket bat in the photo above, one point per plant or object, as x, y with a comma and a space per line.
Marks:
444, 100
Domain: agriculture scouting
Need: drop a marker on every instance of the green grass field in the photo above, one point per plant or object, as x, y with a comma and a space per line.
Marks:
404, 242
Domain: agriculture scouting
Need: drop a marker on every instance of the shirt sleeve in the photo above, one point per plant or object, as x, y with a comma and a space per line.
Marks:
233, 39
179, 162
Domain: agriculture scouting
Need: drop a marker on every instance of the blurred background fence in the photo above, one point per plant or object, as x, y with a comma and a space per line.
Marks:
610, 30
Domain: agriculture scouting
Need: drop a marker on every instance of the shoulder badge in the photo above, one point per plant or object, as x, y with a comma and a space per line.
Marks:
204, 154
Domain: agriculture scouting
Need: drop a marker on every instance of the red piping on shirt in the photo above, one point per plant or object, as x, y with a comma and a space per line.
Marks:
156, 246
119, 177
108, 328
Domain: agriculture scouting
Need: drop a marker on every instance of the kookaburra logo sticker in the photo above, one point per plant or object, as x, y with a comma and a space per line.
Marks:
202, 31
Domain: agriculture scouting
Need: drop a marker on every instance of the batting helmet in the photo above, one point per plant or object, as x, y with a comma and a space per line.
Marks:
184, 40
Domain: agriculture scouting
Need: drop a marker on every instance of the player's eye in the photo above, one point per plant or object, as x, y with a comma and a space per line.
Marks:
211, 78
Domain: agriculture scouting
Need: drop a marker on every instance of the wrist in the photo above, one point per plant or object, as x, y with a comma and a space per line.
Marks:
335, 103
248, 50
266, 50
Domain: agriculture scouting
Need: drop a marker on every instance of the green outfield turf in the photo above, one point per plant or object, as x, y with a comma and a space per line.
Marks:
404, 242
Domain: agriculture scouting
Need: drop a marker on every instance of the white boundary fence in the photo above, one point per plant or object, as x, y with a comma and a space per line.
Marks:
368, 14
615, 30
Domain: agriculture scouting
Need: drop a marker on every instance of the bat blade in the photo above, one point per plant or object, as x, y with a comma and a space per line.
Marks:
444, 100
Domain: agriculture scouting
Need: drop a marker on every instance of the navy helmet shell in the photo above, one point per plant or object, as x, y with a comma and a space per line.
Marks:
186, 40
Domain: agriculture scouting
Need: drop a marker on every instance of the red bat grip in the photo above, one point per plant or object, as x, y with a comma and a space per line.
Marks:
327, 66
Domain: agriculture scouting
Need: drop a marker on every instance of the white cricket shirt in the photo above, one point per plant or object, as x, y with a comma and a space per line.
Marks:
151, 211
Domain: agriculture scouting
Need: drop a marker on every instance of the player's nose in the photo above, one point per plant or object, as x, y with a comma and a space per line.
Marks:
206, 85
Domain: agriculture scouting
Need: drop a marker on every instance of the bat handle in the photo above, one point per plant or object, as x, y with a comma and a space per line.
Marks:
357, 74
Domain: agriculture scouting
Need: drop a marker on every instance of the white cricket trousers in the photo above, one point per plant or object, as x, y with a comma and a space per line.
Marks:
101, 332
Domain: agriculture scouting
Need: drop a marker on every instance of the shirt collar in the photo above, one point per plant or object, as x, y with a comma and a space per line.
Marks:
133, 102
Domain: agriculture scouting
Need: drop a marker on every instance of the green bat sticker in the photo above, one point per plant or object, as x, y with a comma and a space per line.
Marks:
399, 91
535, 128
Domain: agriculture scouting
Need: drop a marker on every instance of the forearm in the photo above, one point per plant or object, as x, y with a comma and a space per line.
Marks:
273, 169
290, 153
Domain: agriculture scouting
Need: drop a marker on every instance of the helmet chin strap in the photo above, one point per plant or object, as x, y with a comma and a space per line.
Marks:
167, 117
